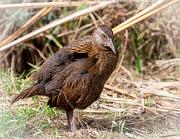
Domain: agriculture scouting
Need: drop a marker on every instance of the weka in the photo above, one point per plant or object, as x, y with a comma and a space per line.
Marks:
74, 77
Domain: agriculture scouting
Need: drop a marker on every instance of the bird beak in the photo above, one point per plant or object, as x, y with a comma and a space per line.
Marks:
111, 45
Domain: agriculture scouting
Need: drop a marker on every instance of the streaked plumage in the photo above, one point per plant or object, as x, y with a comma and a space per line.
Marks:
74, 77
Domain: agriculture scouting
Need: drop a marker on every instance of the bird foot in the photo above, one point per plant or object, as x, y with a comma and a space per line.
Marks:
72, 127
71, 122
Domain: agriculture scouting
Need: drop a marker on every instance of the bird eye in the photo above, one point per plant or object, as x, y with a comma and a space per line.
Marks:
104, 36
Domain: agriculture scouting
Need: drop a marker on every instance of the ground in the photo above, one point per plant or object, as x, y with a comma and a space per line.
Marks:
152, 113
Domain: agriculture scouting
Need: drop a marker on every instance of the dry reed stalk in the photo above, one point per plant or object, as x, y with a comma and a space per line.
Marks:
122, 57
120, 102
155, 8
170, 136
152, 90
99, 18
130, 135
155, 92
37, 50
93, 111
152, 110
55, 23
64, 34
94, 20
74, 31
127, 72
28, 24
137, 16
120, 91
161, 62
162, 85
168, 110
49, 4
111, 108
105, 96
78, 27
135, 19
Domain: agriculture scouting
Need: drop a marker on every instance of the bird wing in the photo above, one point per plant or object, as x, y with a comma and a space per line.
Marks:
69, 78
63, 58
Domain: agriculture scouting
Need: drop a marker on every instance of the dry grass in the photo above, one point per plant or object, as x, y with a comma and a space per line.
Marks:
141, 108
139, 100
144, 42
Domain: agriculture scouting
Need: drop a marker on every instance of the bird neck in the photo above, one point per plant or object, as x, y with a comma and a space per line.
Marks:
101, 62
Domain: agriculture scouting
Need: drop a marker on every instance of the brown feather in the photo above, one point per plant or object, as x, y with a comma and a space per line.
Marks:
29, 92
74, 77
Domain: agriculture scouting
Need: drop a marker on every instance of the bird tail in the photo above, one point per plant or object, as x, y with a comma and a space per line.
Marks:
37, 89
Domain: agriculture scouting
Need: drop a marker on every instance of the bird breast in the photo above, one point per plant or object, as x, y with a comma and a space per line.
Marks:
84, 80
81, 88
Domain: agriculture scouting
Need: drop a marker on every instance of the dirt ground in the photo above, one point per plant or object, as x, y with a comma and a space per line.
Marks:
155, 115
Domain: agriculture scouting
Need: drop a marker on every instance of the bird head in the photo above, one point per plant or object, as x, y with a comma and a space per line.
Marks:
103, 37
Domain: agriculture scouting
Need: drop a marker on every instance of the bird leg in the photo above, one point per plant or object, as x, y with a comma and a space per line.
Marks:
71, 122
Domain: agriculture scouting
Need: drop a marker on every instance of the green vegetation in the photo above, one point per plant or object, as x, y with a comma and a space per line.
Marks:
11, 83
24, 120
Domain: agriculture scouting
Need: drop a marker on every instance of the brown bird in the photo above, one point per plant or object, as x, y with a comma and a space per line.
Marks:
74, 77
